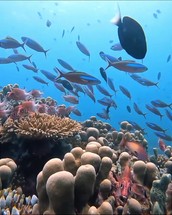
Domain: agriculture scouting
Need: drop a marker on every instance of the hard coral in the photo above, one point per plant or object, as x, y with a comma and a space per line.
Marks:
41, 126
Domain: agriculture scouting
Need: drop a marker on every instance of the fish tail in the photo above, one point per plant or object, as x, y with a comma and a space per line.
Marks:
144, 114
170, 106
45, 52
116, 20
109, 63
60, 73
29, 58
156, 84
22, 45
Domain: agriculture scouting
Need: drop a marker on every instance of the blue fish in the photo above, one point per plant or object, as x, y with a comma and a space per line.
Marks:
48, 75
155, 127
65, 64
34, 45
163, 136
83, 49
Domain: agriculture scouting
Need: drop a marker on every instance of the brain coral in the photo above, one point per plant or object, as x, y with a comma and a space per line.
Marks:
41, 125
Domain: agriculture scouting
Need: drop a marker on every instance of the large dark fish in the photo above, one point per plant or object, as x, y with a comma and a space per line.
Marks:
34, 45
65, 64
131, 36
66, 84
78, 77
161, 104
19, 57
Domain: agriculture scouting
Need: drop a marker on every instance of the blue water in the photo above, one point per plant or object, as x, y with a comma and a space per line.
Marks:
92, 23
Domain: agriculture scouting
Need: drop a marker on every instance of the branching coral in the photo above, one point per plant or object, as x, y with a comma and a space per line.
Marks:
39, 126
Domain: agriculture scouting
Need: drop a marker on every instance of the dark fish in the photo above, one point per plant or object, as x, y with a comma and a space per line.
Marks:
72, 29
155, 15
103, 90
107, 102
131, 36
83, 49
10, 43
116, 47
168, 58
65, 64
89, 94
107, 57
111, 85
104, 114
63, 33
39, 14
161, 104
78, 77
34, 45
159, 76
125, 91
60, 87
163, 136
158, 11
103, 74
19, 57
136, 126
48, 75
5, 60
137, 109
128, 109
66, 84
128, 66
76, 112
155, 127
40, 80
29, 67
154, 110
48, 23
169, 114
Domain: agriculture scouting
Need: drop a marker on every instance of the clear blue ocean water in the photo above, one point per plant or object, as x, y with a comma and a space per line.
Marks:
91, 20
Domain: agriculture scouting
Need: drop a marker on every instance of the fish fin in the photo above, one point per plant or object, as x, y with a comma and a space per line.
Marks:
109, 63
45, 52
120, 58
170, 106
116, 20
156, 84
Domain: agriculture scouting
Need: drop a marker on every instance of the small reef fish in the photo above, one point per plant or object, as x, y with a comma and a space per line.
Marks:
163, 136
11, 43
111, 85
76, 112
161, 104
40, 80
19, 57
155, 127
135, 148
107, 102
128, 66
78, 88
5, 60
66, 84
48, 23
71, 99
137, 126
90, 94
30, 67
36, 93
107, 57
104, 114
154, 110
131, 36
83, 48
102, 90
59, 87
34, 45
63, 33
159, 76
162, 144
155, 15
65, 64
48, 75
143, 81
137, 109
128, 108
116, 47
78, 77
168, 58
168, 114
103, 74
72, 29
125, 91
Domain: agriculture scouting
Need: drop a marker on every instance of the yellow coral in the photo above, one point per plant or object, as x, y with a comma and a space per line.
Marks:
41, 125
